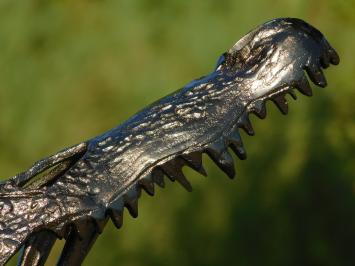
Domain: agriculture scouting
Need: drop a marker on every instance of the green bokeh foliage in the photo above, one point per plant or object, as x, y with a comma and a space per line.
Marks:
70, 70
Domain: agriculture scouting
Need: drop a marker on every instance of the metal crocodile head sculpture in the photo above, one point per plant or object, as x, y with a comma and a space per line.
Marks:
73, 193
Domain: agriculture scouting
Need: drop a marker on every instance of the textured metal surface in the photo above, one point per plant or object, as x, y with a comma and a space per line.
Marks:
81, 187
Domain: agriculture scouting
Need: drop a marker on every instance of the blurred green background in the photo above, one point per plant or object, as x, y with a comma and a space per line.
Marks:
70, 70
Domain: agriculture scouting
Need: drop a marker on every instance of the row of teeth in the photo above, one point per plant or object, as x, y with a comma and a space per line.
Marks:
217, 151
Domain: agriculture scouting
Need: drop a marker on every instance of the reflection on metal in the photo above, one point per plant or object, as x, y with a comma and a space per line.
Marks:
73, 193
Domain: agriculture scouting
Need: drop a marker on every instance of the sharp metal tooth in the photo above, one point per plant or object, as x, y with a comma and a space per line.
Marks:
131, 201
100, 224
116, 217
158, 177
259, 109
316, 75
173, 169
132, 206
324, 60
293, 94
222, 158
216, 148
245, 124
236, 144
147, 184
334, 57
281, 103
180, 177
194, 160
115, 211
304, 87
226, 164
168, 171
202, 171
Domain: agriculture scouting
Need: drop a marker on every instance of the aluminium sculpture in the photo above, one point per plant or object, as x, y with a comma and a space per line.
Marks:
74, 192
